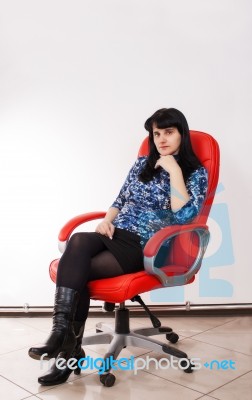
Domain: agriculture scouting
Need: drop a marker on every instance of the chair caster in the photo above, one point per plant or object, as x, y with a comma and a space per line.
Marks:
189, 369
108, 307
172, 337
107, 380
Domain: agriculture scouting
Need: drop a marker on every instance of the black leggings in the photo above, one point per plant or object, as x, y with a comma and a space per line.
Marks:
86, 258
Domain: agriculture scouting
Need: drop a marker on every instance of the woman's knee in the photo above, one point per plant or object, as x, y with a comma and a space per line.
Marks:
77, 241
85, 240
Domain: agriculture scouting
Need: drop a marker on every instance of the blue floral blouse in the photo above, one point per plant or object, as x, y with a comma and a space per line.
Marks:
144, 208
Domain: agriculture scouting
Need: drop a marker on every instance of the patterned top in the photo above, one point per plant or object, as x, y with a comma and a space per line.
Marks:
145, 207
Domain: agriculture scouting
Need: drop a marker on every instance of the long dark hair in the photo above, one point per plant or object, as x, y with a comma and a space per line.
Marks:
187, 160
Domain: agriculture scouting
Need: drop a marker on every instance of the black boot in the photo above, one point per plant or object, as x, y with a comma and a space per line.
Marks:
55, 376
62, 336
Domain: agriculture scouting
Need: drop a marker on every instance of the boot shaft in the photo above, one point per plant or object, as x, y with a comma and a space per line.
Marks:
65, 304
78, 327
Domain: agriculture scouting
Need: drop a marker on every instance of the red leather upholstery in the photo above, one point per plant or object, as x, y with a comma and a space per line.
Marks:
121, 288
184, 248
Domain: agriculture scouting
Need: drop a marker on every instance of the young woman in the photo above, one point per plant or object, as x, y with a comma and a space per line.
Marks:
166, 188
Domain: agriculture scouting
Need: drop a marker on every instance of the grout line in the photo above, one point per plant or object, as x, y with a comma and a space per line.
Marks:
13, 383
211, 397
232, 380
220, 347
210, 329
175, 383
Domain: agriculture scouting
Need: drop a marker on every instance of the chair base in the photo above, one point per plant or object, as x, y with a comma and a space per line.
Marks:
121, 336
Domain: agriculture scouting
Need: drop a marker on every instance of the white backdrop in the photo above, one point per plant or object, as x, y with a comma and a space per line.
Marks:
78, 80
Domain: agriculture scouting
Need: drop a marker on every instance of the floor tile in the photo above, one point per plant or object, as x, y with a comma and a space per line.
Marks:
189, 326
19, 368
127, 386
205, 379
207, 398
15, 335
10, 391
208, 338
43, 324
32, 398
240, 388
235, 335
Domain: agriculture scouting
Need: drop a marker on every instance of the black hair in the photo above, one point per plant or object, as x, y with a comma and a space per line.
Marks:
187, 160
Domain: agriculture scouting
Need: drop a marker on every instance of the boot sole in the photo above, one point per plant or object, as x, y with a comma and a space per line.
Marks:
38, 356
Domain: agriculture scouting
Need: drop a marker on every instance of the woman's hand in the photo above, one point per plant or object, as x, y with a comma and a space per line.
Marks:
105, 228
168, 163
179, 194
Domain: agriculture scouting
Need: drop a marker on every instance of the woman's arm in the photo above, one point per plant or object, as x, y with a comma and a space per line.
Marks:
179, 194
106, 227
196, 188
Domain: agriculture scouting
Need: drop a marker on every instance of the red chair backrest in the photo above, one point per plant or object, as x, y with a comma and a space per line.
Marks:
185, 247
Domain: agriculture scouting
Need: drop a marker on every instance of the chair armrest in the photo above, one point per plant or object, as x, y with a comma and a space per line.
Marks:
69, 227
156, 241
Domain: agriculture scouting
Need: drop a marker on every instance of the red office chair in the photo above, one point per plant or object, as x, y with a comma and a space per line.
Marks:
183, 261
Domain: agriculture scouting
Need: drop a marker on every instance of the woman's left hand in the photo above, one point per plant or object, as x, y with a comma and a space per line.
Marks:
168, 163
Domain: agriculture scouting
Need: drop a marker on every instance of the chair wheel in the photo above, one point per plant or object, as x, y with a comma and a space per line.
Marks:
172, 337
189, 369
108, 307
107, 380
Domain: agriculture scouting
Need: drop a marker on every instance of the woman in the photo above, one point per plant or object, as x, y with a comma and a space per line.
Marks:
166, 188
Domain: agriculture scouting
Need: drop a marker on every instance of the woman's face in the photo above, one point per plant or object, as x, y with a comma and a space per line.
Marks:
167, 140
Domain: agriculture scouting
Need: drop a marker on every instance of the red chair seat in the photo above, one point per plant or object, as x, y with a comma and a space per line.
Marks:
122, 288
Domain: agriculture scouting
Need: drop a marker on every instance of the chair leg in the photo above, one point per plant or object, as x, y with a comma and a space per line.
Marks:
116, 346
98, 338
152, 331
133, 339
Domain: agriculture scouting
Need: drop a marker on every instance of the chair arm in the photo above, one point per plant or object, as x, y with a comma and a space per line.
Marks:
69, 227
158, 239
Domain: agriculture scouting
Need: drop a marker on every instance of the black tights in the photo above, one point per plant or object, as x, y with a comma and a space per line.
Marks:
86, 258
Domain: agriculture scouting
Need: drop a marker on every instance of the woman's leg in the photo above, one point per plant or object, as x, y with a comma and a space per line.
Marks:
74, 266
86, 258
73, 273
103, 265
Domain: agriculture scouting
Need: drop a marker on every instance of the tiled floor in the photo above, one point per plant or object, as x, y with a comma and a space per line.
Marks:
207, 338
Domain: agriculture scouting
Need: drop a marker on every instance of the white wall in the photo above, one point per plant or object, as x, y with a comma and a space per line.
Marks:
78, 80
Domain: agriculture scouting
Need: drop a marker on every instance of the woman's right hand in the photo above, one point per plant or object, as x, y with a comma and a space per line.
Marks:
105, 228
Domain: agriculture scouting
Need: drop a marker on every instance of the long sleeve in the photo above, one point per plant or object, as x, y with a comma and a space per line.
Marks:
150, 221
196, 186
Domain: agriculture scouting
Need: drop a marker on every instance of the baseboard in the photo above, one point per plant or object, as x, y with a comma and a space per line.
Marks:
160, 310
